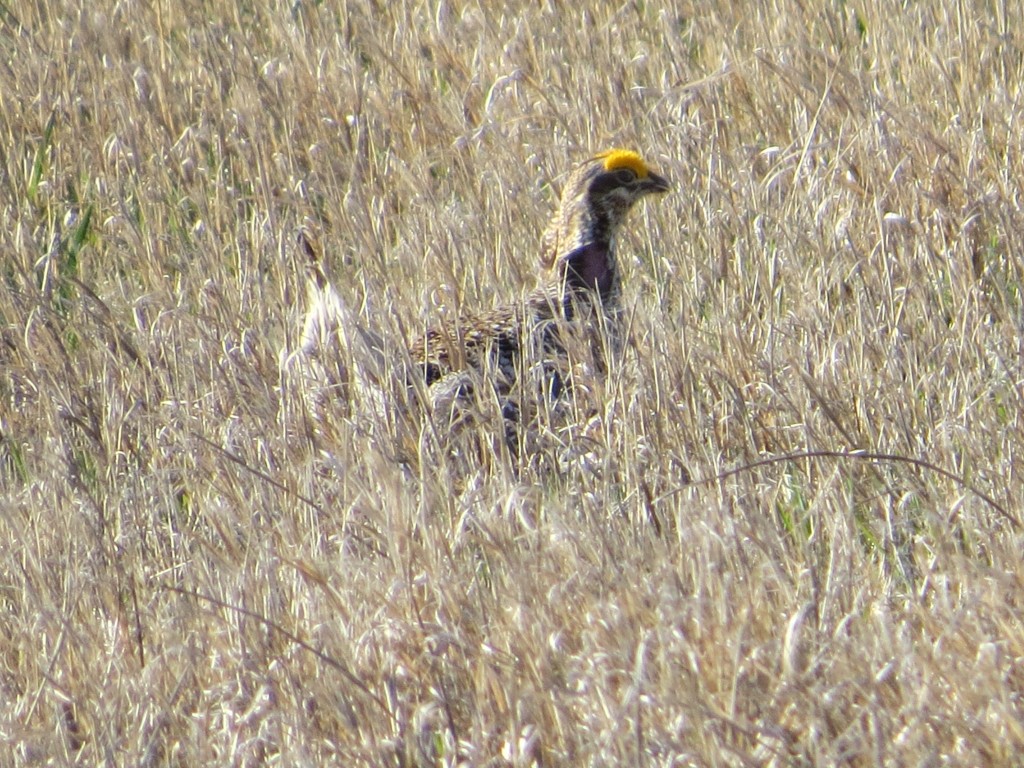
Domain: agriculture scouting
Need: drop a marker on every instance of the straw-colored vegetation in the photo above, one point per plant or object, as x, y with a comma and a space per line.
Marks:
204, 561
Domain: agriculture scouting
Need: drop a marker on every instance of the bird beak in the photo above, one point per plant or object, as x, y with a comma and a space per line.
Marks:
655, 183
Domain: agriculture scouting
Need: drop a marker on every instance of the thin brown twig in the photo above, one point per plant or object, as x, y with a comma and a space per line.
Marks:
329, 660
259, 473
863, 456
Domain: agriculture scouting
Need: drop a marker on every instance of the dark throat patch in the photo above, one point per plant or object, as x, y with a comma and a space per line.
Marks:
590, 267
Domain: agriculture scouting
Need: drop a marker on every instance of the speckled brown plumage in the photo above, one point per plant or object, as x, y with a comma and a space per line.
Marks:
579, 297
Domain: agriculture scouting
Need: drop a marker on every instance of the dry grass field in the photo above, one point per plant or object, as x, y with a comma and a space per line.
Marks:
787, 531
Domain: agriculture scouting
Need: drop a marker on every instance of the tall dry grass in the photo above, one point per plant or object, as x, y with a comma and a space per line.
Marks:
204, 564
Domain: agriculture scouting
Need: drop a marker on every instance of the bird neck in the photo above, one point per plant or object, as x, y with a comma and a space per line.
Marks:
592, 269
588, 281
594, 224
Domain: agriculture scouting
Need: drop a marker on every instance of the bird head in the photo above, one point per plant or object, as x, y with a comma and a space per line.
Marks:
596, 199
616, 179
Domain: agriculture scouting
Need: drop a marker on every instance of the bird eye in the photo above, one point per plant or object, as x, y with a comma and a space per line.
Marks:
625, 175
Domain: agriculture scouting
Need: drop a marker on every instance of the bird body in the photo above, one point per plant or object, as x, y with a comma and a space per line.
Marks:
579, 300
574, 313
